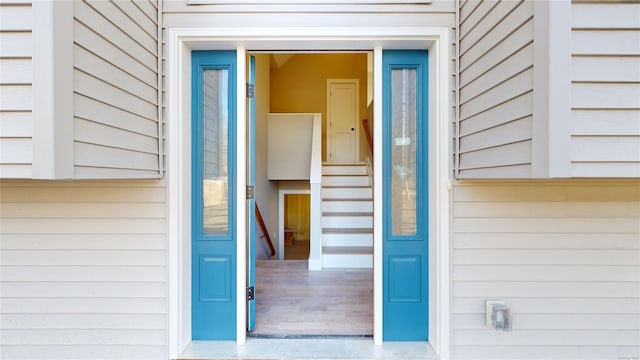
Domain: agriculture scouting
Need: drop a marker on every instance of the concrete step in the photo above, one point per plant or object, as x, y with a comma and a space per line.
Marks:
347, 220
347, 205
351, 192
346, 169
347, 257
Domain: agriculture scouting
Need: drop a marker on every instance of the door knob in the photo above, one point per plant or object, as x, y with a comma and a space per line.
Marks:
353, 129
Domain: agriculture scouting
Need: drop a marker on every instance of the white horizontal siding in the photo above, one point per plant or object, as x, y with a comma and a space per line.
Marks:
115, 89
16, 95
83, 270
605, 131
437, 13
565, 257
496, 84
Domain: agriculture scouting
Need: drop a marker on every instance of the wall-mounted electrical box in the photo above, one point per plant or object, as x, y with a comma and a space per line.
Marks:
497, 315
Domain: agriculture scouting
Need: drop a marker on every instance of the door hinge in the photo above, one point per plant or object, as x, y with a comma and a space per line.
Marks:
251, 293
251, 91
250, 192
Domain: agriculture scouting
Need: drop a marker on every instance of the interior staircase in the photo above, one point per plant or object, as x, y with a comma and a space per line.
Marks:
347, 216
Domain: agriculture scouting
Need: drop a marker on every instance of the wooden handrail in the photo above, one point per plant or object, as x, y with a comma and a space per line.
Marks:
265, 232
365, 125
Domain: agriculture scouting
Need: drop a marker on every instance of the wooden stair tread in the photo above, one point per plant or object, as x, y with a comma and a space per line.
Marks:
347, 231
347, 250
336, 213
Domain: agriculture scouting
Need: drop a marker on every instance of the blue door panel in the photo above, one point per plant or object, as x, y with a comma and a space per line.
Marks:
405, 258
213, 268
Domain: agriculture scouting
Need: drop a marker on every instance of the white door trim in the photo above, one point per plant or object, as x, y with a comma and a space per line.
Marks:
356, 83
180, 42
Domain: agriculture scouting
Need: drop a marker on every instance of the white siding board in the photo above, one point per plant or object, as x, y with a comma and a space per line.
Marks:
149, 9
605, 69
16, 97
80, 241
109, 157
605, 16
16, 44
16, 17
605, 96
84, 337
83, 289
503, 171
546, 289
96, 22
536, 273
556, 322
516, 153
520, 16
86, 194
563, 254
548, 351
103, 70
479, 15
605, 149
610, 42
107, 114
16, 71
84, 352
83, 273
89, 322
594, 241
16, 124
98, 45
548, 337
512, 65
147, 25
505, 91
83, 306
16, 151
605, 122
517, 108
15, 171
89, 226
570, 305
606, 169
84, 210
99, 134
125, 23
515, 131
467, 9
89, 172
94, 88
501, 51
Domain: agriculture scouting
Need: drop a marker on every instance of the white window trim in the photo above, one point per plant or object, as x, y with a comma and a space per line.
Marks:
180, 42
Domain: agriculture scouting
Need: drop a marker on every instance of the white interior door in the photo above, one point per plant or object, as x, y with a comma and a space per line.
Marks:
342, 121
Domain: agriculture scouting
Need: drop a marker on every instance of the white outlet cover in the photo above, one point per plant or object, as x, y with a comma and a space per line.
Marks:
489, 308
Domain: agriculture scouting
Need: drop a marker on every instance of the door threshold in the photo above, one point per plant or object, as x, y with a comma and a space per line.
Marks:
309, 336
343, 348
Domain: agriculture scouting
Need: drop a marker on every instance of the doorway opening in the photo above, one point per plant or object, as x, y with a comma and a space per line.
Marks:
291, 300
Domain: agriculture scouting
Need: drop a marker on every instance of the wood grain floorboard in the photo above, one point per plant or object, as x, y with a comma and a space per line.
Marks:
291, 300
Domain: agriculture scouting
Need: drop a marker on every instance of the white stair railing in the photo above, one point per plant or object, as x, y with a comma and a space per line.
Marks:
315, 179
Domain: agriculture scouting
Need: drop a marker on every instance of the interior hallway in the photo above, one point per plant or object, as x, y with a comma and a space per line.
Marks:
293, 301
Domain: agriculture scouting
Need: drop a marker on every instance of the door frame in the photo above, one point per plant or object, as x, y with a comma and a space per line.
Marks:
356, 83
180, 41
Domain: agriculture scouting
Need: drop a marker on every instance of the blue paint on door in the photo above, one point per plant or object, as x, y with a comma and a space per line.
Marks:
213, 195
251, 206
405, 244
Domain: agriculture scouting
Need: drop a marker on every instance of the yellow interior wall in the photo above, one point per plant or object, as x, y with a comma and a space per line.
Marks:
297, 215
300, 84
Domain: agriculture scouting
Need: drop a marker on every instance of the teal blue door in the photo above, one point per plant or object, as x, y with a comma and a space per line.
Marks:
405, 233
251, 202
213, 195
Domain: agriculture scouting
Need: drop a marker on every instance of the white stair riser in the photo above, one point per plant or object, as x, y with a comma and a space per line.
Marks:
347, 206
344, 170
347, 239
345, 180
349, 193
360, 222
347, 261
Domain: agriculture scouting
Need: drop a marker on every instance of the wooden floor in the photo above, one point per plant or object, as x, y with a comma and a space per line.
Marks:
292, 301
